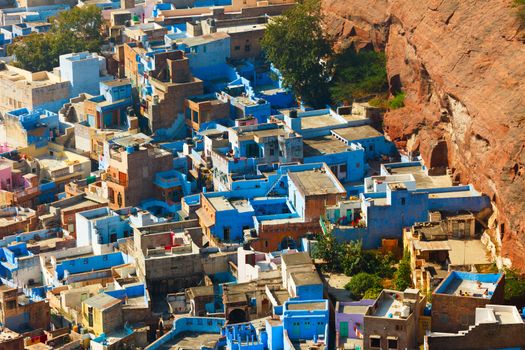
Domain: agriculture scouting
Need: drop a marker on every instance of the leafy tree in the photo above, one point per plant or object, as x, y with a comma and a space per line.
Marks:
32, 52
356, 260
75, 30
359, 74
363, 283
296, 45
329, 250
402, 277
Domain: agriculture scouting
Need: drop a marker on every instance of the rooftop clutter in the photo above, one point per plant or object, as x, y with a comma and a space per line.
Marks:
173, 193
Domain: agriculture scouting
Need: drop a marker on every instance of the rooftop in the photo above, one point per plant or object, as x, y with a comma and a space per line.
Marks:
102, 301
192, 341
467, 284
355, 133
316, 182
293, 259
423, 180
319, 121
323, 145
309, 306
306, 278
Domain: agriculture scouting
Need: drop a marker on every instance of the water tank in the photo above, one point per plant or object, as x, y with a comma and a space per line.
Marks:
293, 113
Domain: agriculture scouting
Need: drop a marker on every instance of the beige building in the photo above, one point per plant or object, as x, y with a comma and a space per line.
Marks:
21, 88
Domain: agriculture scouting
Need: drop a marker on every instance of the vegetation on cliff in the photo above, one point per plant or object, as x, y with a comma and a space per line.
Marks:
520, 4
75, 30
295, 43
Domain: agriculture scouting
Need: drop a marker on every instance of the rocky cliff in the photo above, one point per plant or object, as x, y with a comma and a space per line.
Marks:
462, 66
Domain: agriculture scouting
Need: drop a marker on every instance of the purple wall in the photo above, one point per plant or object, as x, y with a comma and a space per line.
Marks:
351, 318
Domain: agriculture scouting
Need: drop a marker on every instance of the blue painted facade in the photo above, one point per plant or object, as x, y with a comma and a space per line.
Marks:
92, 263
37, 119
353, 159
83, 71
303, 324
244, 337
189, 324
385, 214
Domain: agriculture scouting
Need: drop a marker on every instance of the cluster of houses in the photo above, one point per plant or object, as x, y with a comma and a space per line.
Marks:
168, 194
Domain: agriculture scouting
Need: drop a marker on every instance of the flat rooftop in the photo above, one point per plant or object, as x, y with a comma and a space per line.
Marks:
323, 145
315, 305
389, 305
319, 121
306, 278
293, 259
220, 203
422, 179
316, 182
477, 285
356, 133
192, 341
467, 252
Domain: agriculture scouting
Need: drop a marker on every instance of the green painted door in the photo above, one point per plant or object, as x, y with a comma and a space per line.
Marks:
296, 330
343, 329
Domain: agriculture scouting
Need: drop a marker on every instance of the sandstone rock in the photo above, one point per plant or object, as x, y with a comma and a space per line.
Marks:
462, 66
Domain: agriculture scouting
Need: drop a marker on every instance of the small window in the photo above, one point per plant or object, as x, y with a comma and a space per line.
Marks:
247, 48
105, 258
403, 201
375, 342
357, 165
237, 48
392, 344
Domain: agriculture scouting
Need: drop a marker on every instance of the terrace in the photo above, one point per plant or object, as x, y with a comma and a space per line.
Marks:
470, 284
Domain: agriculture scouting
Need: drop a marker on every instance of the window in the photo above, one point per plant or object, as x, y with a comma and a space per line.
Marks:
375, 342
392, 343
403, 201
90, 316
247, 48
371, 148
342, 168
105, 258
357, 165
226, 233
237, 48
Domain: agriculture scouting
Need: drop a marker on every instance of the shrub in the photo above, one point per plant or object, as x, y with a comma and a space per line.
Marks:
362, 283
402, 277
397, 101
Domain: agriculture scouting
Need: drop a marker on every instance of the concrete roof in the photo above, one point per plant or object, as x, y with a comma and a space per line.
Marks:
102, 301
357, 133
292, 259
306, 278
323, 145
316, 182
202, 39
315, 305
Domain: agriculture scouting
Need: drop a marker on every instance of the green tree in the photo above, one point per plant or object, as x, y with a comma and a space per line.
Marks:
75, 30
296, 45
362, 283
402, 277
32, 52
356, 260
359, 74
329, 250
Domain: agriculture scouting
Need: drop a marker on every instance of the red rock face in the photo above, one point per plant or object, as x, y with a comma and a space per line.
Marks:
462, 66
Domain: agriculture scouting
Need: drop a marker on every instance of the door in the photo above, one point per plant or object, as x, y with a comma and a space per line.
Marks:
296, 330
343, 329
